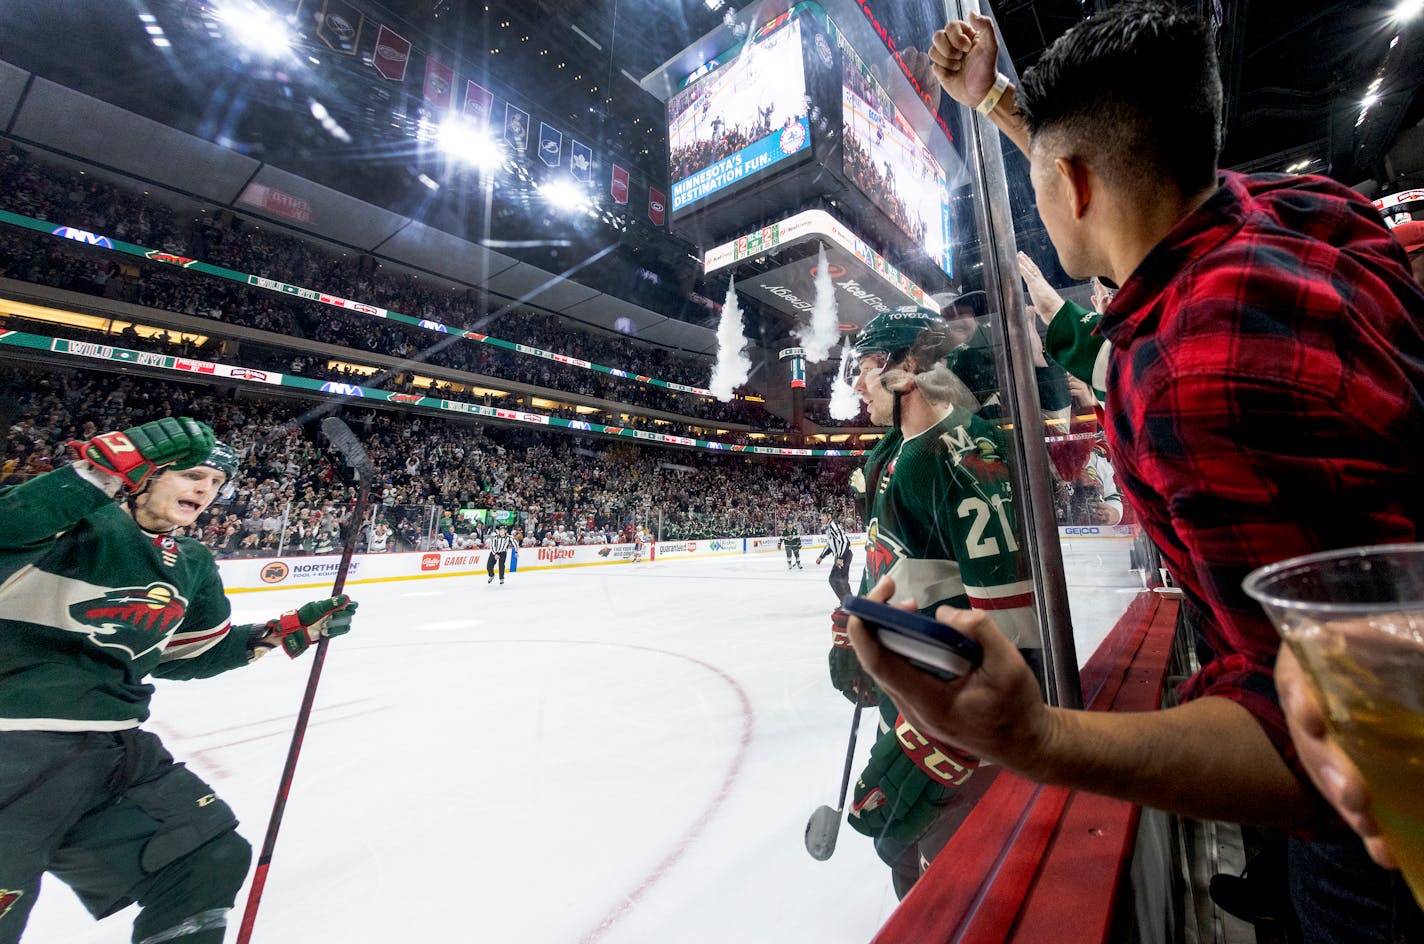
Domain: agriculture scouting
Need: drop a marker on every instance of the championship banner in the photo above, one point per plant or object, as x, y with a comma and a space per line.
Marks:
551, 145
439, 83
479, 102
516, 128
339, 26
657, 205
619, 187
581, 161
391, 55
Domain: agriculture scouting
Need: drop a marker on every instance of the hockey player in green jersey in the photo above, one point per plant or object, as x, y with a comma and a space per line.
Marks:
938, 502
791, 540
95, 595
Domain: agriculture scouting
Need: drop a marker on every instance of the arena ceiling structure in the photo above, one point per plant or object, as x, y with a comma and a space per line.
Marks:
1311, 85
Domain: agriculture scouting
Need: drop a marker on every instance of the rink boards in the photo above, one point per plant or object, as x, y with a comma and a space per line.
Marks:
284, 573
245, 575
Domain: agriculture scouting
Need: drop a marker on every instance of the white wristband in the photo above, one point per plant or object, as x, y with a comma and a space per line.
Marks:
991, 98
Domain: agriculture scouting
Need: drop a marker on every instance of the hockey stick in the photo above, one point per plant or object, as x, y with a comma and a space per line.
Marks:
825, 823
354, 455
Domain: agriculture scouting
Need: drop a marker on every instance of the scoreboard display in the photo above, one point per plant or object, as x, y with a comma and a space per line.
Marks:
884, 157
792, 118
741, 120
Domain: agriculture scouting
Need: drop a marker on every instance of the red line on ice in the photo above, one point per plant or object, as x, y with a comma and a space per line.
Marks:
694, 832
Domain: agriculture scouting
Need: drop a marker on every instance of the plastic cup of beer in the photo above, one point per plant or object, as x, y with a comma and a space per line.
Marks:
1355, 621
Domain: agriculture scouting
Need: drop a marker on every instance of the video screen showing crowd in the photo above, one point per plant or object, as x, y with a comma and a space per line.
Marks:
752, 110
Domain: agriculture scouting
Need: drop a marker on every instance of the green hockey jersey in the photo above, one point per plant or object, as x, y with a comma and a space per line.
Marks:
791, 538
91, 604
941, 523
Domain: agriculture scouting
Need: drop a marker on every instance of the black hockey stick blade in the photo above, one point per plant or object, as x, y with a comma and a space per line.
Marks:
825, 824
346, 443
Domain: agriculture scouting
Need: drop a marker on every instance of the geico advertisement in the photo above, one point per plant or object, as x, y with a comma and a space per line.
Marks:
1098, 531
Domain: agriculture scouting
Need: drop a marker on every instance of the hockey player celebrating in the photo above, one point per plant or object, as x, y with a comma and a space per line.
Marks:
938, 507
791, 540
95, 596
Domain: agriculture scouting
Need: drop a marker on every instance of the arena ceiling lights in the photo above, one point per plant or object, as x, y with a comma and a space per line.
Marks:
463, 142
565, 195
255, 28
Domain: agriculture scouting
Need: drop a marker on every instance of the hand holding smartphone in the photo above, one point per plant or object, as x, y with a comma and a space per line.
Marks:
927, 644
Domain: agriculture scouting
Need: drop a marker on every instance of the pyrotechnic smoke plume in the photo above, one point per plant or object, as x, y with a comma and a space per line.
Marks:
733, 366
845, 402
820, 336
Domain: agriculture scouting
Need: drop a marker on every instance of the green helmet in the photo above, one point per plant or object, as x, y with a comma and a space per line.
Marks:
224, 459
911, 331
894, 331
902, 331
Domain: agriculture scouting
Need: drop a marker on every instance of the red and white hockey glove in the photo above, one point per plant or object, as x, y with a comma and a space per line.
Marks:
135, 454
940, 762
846, 674
296, 630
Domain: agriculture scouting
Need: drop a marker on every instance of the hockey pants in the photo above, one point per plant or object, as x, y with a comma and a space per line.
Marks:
114, 818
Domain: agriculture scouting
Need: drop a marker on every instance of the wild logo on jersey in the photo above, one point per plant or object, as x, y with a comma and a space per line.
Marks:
7, 900
882, 551
973, 451
135, 620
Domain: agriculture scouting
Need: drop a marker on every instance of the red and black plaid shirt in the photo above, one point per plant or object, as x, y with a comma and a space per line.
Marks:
1266, 399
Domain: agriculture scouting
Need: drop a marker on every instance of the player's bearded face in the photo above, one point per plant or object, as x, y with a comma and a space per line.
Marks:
878, 401
176, 498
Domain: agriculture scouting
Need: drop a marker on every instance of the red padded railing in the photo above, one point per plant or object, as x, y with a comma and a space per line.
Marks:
1043, 865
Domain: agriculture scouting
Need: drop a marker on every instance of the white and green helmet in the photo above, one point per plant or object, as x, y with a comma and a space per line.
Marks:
224, 458
905, 332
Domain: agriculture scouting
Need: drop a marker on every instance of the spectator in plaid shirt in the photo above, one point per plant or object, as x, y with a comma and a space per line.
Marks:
1264, 399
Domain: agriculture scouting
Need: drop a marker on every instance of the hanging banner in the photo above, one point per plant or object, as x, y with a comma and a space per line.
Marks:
339, 26
657, 205
479, 102
619, 187
551, 145
392, 54
516, 128
439, 83
581, 161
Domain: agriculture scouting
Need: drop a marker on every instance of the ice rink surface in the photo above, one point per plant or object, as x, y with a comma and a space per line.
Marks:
620, 754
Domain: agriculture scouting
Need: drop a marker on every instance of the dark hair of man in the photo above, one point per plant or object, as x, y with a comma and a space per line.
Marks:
1135, 92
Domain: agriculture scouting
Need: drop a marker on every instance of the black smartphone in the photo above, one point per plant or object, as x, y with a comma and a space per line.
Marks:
928, 644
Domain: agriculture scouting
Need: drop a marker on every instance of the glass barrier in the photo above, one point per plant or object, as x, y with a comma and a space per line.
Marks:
723, 202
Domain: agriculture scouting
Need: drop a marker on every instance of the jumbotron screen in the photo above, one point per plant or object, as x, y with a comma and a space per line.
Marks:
742, 119
886, 159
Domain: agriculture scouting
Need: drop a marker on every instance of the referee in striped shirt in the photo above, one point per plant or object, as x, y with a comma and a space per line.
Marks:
499, 546
838, 546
